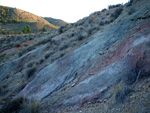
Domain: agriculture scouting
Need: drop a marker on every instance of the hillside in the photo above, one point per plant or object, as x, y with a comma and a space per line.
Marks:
100, 64
56, 22
14, 19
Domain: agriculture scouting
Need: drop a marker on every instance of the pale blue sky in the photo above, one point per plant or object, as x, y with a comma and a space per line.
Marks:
67, 10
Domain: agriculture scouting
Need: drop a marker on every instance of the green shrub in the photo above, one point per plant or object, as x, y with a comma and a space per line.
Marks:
27, 29
44, 29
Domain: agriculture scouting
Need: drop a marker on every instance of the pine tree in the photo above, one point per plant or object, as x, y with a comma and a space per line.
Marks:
25, 29
29, 29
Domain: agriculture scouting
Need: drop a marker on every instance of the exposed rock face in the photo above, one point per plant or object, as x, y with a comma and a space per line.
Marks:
14, 66
84, 75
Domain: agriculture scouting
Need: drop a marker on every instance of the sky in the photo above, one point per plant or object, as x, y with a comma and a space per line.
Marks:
67, 10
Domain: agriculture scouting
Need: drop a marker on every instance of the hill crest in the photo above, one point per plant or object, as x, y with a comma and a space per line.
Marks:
15, 19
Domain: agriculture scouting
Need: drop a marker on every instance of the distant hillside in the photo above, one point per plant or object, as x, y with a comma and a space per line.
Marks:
56, 22
14, 19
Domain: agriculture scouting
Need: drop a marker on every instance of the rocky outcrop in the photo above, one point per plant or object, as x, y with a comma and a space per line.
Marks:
11, 67
85, 75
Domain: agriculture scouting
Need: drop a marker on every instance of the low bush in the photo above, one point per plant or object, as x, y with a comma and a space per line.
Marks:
84, 35
3, 91
80, 37
21, 105
61, 55
44, 41
13, 106
117, 12
30, 107
64, 46
114, 6
29, 48
30, 64
30, 72
2, 56
47, 54
60, 30
27, 29
122, 94
17, 45
103, 10
129, 3
21, 52
41, 60
130, 11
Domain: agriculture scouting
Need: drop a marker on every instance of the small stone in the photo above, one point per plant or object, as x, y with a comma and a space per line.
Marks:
89, 102
91, 74
105, 100
133, 96
80, 111
73, 84
101, 53
100, 101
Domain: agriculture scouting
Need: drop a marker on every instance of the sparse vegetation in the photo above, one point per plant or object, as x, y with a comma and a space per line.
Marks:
30, 72
129, 3
16, 19
117, 12
5, 16
121, 94
48, 48
64, 46
13, 106
30, 64
114, 6
82, 36
21, 105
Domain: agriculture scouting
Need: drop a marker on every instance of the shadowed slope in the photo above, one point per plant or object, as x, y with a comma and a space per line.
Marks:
86, 75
